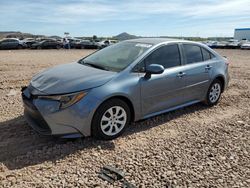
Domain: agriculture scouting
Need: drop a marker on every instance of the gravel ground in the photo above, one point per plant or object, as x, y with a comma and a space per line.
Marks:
193, 147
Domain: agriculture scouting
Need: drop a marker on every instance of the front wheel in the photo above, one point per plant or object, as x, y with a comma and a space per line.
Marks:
214, 93
110, 119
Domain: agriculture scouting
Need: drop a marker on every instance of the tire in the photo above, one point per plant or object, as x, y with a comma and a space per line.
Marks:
105, 127
214, 93
39, 47
58, 47
82, 47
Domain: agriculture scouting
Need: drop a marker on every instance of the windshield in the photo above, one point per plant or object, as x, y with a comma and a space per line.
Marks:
116, 57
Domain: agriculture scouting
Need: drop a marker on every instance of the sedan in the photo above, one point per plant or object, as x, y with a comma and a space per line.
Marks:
12, 43
47, 44
245, 46
29, 42
86, 44
100, 94
106, 43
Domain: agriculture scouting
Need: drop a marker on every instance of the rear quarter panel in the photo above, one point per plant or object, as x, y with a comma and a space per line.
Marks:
220, 69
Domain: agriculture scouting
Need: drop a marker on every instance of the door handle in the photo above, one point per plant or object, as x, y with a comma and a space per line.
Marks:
208, 67
181, 74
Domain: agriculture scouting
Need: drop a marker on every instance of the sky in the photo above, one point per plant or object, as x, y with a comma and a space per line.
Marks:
196, 18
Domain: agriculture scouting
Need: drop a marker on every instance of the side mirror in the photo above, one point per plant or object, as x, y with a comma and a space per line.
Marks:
154, 69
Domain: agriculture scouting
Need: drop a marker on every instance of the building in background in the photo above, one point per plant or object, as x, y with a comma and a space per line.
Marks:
242, 34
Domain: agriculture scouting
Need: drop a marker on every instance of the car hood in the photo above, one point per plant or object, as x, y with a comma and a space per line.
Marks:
69, 78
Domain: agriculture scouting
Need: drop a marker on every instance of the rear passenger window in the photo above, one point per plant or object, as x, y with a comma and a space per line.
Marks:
193, 53
206, 54
168, 56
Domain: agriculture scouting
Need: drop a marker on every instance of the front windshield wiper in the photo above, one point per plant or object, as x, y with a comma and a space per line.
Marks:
95, 66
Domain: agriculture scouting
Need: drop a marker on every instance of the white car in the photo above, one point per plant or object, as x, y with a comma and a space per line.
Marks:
245, 46
106, 43
233, 44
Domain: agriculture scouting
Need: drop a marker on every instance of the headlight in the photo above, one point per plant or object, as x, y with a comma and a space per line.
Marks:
66, 100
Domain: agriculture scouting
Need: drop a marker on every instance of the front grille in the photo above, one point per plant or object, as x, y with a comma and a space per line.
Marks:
32, 113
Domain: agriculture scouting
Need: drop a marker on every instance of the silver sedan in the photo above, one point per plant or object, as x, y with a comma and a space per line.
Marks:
102, 93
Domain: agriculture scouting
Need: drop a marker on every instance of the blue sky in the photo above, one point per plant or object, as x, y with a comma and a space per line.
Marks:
202, 18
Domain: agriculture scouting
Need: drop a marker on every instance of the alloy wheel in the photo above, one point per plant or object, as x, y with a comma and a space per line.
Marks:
113, 120
214, 93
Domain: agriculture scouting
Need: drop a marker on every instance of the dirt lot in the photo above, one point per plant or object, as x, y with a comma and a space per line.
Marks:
192, 147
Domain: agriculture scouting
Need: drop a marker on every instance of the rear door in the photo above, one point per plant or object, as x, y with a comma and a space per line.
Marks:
165, 90
197, 72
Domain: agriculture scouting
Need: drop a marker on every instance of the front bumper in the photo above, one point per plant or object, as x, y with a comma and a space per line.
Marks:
34, 117
45, 117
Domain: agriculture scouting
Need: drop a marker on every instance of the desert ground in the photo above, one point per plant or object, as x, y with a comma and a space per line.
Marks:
196, 146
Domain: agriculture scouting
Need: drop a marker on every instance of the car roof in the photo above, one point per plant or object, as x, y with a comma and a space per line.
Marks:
159, 41
155, 41
10, 39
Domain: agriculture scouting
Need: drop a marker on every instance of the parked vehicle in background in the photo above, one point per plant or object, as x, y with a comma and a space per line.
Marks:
11, 43
233, 44
29, 41
245, 46
86, 44
106, 43
220, 44
211, 44
47, 44
73, 42
132, 80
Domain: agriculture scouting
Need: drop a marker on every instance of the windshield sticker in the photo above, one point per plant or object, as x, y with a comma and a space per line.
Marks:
143, 45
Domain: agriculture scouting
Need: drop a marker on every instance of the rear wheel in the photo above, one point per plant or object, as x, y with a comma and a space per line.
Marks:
110, 119
58, 47
214, 93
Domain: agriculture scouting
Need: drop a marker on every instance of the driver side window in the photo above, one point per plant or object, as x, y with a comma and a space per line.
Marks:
168, 56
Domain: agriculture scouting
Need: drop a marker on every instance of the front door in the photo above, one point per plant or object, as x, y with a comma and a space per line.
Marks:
165, 90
